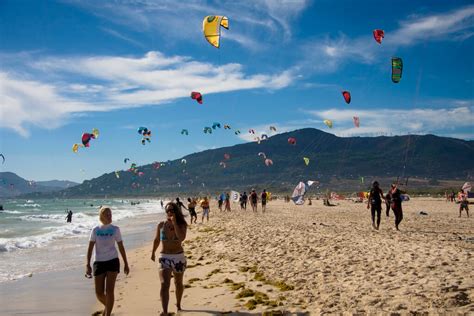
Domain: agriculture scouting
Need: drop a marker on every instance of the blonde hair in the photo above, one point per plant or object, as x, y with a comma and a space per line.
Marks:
102, 210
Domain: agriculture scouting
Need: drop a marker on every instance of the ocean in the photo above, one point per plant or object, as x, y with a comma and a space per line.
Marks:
35, 238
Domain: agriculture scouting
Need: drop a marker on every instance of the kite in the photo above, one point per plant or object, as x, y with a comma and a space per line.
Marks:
378, 35
216, 125
226, 156
292, 141
268, 162
328, 123
226, 126
257, 139
211, 27
196, 96
397, 68
184, 132
222, 164
356, 121
234, 196
183, 161
264, 136
273, 128
117, 175
466, 188
262, 154
306, 160
251, 131
86, 137
207, 130
145, 133
299, 192
347, 96
126, 159
237, 132
3, 157
75, 148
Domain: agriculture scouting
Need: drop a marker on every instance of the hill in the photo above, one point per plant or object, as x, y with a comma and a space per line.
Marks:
337, 162
12, 185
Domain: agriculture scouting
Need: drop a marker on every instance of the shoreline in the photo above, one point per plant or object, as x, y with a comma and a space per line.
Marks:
315, 259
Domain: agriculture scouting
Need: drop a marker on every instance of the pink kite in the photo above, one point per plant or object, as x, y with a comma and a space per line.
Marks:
196, 96
378, 35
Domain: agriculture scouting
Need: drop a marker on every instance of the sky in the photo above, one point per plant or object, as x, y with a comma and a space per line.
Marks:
70, 66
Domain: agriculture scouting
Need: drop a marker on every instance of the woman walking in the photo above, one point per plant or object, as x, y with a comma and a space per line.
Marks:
375, 203
171, 233
106, 264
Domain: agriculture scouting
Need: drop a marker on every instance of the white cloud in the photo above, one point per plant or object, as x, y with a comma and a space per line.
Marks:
398, 122
254, 18
49, 96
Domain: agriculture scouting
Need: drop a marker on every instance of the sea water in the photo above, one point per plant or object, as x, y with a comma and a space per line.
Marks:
34, 235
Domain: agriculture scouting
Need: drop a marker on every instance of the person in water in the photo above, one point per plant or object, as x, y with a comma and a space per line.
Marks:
171, 234
192, 209
375, 203
69, 216
396, 205
107, 264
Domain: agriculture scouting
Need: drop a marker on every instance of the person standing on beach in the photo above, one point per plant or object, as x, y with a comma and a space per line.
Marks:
375, 203
192, 209
220, 201
388, 201
463, 203
227, 202
107, 263
244, 200
396, 205
161, 202
171, 234
180, 205
205, 209
264, 200
253, 200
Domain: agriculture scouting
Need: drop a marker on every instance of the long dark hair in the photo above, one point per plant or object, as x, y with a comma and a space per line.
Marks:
177, 213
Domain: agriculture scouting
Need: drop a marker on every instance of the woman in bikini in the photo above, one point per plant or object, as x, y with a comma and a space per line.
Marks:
171, 233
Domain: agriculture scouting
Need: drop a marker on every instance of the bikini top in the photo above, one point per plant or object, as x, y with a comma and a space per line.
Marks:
163, 234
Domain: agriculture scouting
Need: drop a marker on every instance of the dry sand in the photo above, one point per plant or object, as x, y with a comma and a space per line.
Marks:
316, 259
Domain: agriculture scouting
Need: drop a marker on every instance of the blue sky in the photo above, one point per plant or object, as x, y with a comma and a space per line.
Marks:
70, 66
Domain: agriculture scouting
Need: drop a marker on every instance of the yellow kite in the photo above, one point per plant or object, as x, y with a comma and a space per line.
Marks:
211, 26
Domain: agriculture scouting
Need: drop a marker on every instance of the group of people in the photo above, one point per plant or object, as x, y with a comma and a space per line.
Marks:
253, 198
170, 233
393, 200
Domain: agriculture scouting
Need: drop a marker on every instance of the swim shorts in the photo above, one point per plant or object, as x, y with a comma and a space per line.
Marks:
205, 212
175, 262
101, 267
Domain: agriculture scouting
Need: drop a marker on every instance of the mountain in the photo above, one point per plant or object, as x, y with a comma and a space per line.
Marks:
12, 185
337, 162
58, 184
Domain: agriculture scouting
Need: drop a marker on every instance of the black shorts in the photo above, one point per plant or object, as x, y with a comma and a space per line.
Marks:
101, 267
192, 212
264, 202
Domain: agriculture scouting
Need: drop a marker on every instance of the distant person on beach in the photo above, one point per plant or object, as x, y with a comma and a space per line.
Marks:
244, 200
171, 234
253, 200
180, 205
375, 203
264, 200
220, 201
241, 201
463, 203
192, 209
161, 202
388, 201
106, 264
396, 205
205, 209
69, 216
227, 202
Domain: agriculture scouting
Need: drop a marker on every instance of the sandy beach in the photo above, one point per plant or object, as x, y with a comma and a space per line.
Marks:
316, 259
